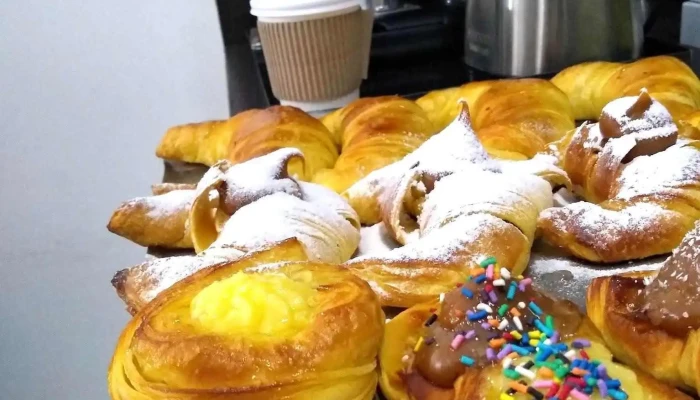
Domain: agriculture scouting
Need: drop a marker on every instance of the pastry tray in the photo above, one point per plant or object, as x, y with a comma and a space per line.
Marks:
552, 271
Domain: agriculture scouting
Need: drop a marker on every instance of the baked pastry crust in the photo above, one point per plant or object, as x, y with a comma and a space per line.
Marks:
640, 182
374, 132
449, 204
403, 331
651, 322
592, 85
171, 350
251, 134
159, 220
246, 207
513, 118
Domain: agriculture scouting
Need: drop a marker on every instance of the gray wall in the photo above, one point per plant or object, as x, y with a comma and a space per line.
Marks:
86, 90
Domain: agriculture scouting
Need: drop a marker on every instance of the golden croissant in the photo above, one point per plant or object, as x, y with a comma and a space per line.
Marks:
251, 134
424, 203
652, 322
374, 132
495, 338
592, 85
641, 183
159, 220
513, 118
252, 330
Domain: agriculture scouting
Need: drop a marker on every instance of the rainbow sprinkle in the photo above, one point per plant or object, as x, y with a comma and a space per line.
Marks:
557, 371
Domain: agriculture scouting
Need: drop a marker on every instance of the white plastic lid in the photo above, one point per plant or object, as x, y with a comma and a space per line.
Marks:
323, 107
298, 8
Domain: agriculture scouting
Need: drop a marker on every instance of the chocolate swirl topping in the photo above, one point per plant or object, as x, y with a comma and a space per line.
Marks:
672, 300
644, 119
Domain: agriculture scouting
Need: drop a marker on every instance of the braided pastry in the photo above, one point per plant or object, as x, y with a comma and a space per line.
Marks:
513, 119
517, 345
642, 185
374, 132
251, 134
251, 330
449, 204
653, 324
590, 86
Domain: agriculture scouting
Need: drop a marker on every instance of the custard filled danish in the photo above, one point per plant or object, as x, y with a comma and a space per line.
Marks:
250, 330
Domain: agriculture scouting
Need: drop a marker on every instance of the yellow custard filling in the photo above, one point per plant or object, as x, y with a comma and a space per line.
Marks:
267, 304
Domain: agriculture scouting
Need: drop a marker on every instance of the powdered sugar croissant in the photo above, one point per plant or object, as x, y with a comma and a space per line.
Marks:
450, 205
641, 183
159, 220
247, 207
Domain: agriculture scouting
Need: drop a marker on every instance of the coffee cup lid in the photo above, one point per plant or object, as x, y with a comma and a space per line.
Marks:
298, 8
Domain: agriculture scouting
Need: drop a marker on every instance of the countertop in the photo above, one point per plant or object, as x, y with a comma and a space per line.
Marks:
86, 91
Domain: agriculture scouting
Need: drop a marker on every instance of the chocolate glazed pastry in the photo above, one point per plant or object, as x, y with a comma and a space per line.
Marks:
652, 323
495, 337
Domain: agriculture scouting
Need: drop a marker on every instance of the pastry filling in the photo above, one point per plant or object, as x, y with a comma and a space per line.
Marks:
267, 304
498, 319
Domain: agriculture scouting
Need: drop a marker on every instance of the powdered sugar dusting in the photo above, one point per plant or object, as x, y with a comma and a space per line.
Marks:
455, 239
456, 145
325, 235
375, 240
656, 121
594, 138
168, 204
162, 273
672, 169
253, 179
600, 228
497, 194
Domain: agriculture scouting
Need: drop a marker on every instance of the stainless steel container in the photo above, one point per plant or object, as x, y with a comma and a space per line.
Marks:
690, 32
534, 37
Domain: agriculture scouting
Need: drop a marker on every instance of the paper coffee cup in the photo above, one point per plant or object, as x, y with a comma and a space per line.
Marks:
316, 51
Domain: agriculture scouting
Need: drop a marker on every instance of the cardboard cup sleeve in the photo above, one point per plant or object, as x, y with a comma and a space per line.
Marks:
317, 59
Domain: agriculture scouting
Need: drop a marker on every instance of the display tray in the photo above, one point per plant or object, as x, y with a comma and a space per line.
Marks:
552, 271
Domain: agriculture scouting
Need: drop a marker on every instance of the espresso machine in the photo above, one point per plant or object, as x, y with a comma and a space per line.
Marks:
423, 45
690, 32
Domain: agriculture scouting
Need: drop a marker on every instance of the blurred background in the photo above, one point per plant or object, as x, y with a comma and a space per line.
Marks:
86, 91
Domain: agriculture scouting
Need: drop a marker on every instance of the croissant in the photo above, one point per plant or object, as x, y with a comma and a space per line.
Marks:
590, 86
513, 119
251, 330
247, 207
652, 322
374, 132
640, 181
689, 126
512, 343
251, 134
159, 220
425, 205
